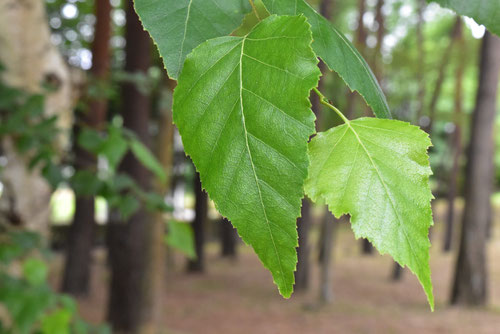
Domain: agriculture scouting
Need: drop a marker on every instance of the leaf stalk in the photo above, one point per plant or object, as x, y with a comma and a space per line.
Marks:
323, 100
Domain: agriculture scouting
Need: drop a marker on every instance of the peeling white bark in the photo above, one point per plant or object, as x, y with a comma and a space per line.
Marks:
30, 60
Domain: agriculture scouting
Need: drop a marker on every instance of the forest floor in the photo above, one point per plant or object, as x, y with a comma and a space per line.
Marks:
239, 297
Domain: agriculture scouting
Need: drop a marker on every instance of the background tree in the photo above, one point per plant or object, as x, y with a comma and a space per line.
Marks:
470, 284
81, 234
131, 247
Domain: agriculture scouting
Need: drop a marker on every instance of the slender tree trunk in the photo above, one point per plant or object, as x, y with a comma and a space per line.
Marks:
304, 222
420, 60
445, 60
456, 145
328, 233
201, 209
132, 250
377, 54
303, 269
470, 285
76, 278
229, 239
359, 42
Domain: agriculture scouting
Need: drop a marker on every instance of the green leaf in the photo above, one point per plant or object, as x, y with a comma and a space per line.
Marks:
35, 271
243, 112
378, 172
143, 154
178, 26
114, 147
57, 322
485, 12
338, 53
86, 183
180, 236
90, 139
259, 12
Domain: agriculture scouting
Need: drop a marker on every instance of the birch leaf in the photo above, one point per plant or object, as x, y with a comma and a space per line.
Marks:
242, 109
378, 171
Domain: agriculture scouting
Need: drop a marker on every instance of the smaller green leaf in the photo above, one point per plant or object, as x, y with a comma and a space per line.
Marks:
90, 139
378, 171
86, 183
57, 322
259, 12
114, 147
143, 154
180, 236
127, 205
35, 271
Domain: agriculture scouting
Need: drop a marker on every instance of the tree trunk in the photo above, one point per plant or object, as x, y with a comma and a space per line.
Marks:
81, 234
328, 233
304, 222
132, 243
229, 239
456, 145
470, 285
30, 60
420, 60
201, 209
359, 42
303, 251
445, 60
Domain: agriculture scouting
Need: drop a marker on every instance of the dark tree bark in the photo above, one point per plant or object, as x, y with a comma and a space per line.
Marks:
445, 60
328, 233
397, 272
456, 144
229, 239
304, 222
199, 222
420, 60
303, 269
470, 284
76, 279
131, 251
359, 42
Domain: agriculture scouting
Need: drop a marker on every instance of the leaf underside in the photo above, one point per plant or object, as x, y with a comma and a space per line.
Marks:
243, 112
377, 171
338, 53
485, 12
178, 26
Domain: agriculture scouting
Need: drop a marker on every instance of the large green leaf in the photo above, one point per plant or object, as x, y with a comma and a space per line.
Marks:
243, 112
378, 171
485, 12
338, 53
178, 26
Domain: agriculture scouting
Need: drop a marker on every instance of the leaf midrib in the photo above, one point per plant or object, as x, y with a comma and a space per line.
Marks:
253, 166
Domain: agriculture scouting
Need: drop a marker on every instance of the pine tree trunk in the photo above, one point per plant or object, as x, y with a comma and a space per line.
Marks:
229, 239
456, 145
445, 60
201, 209
132, 243
303, 251
470, 284
420, 60
328, 233
81, 234
359, 42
